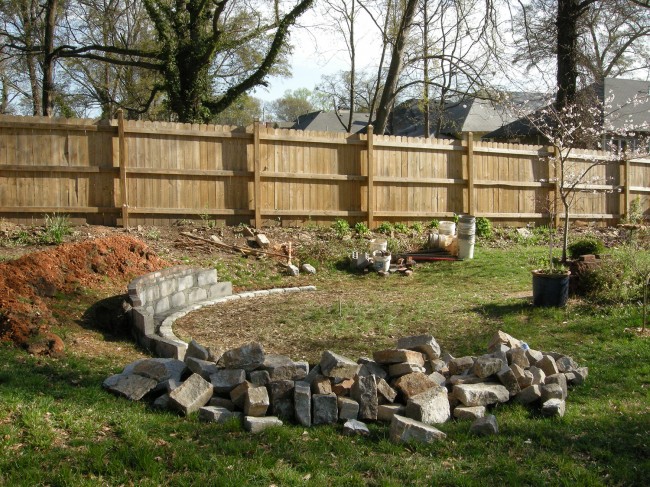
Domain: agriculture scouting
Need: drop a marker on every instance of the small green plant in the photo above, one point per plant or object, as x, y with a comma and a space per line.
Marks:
434, 223
361, 228
401, 228
386, 228
619, 279
455, 218
635, 213
153, 233
341, 227
417, 227
23, 238
585, 246
208, 222
56, 227
483, 227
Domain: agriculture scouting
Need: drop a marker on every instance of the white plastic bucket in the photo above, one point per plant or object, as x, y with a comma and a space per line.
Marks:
466, 236
447, 228
378, 244
382, 260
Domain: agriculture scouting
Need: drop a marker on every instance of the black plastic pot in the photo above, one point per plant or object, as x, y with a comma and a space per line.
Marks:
550, 289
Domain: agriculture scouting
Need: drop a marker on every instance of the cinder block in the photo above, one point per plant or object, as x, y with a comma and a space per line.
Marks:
220, 289
206, 277
178, 300
162, 306
197, 295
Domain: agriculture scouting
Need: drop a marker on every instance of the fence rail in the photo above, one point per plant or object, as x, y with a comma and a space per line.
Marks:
121, 172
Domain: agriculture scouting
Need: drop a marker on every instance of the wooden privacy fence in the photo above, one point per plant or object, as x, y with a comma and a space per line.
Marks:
128, 172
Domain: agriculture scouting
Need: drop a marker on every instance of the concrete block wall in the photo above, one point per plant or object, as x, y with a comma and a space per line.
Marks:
157, 295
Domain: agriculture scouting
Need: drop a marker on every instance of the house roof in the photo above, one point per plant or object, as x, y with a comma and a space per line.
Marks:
467, 115
329, 122
627, 102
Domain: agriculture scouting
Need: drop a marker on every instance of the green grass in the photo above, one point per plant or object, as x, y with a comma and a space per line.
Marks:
58, 427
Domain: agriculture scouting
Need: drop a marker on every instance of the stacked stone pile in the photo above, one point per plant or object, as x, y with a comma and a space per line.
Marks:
413, 386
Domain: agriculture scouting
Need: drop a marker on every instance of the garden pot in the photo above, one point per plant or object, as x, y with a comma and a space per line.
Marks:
550, 289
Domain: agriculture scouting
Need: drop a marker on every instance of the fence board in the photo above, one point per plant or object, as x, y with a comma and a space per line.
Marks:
175, 170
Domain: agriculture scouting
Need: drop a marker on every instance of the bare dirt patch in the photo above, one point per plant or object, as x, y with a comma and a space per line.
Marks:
28, 283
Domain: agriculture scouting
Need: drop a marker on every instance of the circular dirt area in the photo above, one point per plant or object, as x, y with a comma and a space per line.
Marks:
303, 325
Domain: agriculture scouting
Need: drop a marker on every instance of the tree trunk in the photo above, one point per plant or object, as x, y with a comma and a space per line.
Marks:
49, 57
568, 14
395, 68
425, 49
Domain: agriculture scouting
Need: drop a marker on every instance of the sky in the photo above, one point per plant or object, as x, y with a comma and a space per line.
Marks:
318, 52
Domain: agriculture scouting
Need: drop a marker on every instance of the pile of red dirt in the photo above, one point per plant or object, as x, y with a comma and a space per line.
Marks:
28, 283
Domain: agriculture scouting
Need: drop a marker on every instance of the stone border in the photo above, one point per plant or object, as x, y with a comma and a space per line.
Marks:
159, 298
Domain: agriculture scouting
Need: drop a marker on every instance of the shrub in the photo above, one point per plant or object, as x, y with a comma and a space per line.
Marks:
434, 223
385, 228
584, 246
341, 227
483, 227
56, 227
401, 228
417, 227
361, 228
619, 279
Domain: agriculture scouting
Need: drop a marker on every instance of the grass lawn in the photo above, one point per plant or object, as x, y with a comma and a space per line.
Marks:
58, 427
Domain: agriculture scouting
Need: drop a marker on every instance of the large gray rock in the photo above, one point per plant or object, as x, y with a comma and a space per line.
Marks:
213, 414
548, 365
238, 394
364, 391
481, 394
325, 409
370, 367
192, 394
518, 356
486, 366
396, 356
225, 380
204, 368
222, 402
281, 367
552, 391
337, 366
429, 407
386, 391
196, 350
348, 408
485, 426
465, 379
131, 386
398, 370
471, 412
538, 375
302, 403
248, 357
421, 343
554, 407
259, 377
529, 395
580, 376
533, 356
559, 379
281, 393
385, 412
565, 364
256, 425
256, 401
507, 377
404, 430
321, 385
413, 384
354, 427
460, 365
502, 338
160, 369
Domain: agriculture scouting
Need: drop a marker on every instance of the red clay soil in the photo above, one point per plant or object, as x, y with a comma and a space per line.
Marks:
28, 283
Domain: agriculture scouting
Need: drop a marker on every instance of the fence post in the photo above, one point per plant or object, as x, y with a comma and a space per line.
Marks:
257, 184
371, 179
471, 202
626, 188
123, 162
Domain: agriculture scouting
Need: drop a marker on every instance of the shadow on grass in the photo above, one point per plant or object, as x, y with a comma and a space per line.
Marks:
107, 316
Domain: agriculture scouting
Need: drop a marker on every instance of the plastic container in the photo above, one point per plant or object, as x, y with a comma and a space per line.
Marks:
382, 260
378, 244
447, 228
466, 236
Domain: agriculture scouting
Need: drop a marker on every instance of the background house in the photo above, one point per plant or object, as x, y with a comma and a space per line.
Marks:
329, 121
626, 104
